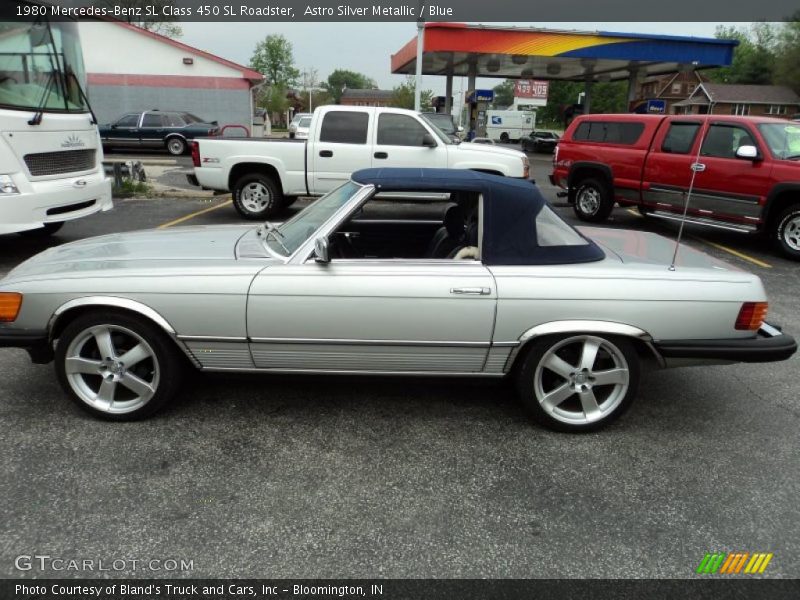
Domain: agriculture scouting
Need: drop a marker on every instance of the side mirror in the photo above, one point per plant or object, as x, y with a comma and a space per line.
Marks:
747, 152
321, 252
460, 129
428, 141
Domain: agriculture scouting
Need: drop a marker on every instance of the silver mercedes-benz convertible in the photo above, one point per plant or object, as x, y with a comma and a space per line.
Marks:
396, 272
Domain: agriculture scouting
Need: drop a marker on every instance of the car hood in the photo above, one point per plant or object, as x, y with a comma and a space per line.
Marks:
485, 149
134, 249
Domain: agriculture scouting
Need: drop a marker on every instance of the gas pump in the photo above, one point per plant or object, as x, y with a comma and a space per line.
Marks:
477, 102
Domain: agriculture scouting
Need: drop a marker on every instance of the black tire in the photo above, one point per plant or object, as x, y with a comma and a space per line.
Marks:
593, 200
643, 210
287, 201
504, 137
176, 146
787, 232
161, 370
535, 381
257, 197
42, 232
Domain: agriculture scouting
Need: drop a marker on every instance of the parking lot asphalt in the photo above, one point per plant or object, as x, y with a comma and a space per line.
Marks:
343, 477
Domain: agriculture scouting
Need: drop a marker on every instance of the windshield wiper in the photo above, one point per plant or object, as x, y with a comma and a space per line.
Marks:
84, 97
269, 229
39, 114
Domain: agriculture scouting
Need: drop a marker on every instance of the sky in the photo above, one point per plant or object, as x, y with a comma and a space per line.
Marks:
367, 47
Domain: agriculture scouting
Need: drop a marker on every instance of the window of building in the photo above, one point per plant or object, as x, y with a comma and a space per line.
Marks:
776, 109
677, 88
344, 127
741, 109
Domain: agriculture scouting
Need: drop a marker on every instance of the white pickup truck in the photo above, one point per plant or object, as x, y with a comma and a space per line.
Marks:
266, 176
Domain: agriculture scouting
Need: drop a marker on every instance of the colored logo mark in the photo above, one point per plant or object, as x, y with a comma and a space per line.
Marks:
734, 563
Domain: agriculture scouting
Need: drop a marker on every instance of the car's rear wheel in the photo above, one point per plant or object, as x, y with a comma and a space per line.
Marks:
504, 137
578, 382
787, 232
47, 230
593, 200
257, 197
117, 366
176, 146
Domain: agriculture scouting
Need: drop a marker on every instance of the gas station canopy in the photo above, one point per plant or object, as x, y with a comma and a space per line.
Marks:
457, 49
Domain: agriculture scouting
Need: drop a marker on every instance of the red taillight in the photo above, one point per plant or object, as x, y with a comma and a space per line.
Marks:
196, 154
751, 316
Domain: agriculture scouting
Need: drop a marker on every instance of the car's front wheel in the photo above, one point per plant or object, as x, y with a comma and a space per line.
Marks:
593, 200
176, 146
578, 382
257, 197
117, 366
787, 232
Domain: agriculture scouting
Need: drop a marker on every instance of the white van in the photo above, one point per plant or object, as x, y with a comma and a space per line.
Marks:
509, 125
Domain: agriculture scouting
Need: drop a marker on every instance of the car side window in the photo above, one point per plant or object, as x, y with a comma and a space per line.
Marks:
680, 138
723, 140
344, 127
399, 130
128, 121
609, 132
173, 120
153, 120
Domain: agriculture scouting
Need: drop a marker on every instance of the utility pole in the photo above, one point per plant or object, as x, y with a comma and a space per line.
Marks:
420, 44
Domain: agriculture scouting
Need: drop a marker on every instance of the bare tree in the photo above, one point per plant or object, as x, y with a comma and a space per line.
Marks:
161, 24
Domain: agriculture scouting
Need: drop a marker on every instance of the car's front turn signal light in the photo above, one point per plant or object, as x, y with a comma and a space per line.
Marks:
751, 316
10, 303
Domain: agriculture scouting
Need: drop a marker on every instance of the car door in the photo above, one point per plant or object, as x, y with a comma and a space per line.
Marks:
372, 316
152, 132
125, 132
341, 146
399, 142
728, 187
667, 170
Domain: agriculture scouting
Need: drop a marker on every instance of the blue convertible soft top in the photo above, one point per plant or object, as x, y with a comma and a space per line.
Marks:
509, 212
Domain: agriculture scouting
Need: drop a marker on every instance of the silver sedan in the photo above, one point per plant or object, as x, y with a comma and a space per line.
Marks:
398, 272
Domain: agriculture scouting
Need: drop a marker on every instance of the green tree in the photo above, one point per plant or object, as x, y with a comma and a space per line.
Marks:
561, 94
403, 96
273, 58
609, 97
162, 25
787, 64
504, 94
341, 79
753, 59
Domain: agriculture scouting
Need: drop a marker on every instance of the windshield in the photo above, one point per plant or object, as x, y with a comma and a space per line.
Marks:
439, 128
304, 122
304, 224
783, 139
41, 60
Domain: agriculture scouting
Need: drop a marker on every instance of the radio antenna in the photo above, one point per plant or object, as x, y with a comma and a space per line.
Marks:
697, 167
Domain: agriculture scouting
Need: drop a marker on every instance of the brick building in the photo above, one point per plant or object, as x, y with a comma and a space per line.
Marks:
671, 88
736, 99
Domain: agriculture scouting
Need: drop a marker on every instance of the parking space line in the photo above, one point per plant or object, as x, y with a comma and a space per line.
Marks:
736, 253
194, 214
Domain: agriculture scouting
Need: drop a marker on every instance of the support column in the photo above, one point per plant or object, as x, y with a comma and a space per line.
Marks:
448, 87
633, 80
587, 96
472, 72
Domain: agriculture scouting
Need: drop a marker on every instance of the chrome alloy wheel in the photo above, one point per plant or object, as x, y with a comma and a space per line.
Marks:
581, 379
176, 146
112, 369
589, 200
255, 197
791, 233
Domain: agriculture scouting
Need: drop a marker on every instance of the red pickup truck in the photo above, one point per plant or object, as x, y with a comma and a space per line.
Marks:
746, 171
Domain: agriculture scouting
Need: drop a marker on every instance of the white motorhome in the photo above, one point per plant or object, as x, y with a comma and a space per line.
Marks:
509, 125
51, 159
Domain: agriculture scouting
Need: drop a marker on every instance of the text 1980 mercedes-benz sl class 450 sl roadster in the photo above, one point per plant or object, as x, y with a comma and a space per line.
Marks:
397, 272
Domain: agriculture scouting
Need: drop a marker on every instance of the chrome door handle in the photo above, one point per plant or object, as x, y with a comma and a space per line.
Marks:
477, 291
698, 167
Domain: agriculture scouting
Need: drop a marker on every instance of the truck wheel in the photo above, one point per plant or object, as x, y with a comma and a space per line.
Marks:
593, 201
176, 146
504, 137
287, 201
257, 197
787, 232
578, 382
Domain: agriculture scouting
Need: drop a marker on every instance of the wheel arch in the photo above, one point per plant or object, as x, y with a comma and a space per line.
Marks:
72, 309
780, 196
239, 170
641, 339
583, 169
